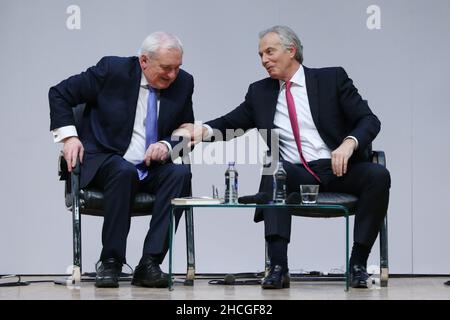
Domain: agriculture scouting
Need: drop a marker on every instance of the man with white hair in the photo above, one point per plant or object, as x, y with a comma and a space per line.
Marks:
133, 104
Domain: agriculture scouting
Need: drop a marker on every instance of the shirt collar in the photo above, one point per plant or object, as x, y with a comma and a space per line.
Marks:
144, 82
298, 78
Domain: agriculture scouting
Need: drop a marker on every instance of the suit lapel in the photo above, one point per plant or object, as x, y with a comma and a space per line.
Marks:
313, 94
271, 99
135, 85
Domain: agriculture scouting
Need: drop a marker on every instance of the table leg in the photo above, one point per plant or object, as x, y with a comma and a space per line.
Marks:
170, 248
347, 273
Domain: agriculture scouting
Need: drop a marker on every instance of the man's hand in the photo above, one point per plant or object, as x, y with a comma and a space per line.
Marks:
156, 152
72, 149
340, 156
194, 132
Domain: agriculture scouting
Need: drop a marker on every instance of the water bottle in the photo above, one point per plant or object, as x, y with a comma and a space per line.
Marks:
231, 184
279, 181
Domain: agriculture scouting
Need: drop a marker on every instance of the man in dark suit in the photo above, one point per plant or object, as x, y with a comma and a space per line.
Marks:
124, 145
325, 129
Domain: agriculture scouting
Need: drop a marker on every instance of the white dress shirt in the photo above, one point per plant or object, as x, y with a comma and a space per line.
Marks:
136, 150
313, 147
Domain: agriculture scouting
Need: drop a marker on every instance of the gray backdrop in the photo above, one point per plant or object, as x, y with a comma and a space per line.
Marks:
398, 60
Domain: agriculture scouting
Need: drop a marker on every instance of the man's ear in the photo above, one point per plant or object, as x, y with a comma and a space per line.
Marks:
293, 50
143, 60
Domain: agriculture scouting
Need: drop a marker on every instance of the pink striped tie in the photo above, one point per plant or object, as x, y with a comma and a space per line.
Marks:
296, 129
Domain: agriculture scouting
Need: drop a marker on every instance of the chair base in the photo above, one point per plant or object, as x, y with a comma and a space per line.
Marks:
384, 276
190, 276
67, 281
188, 283
71, 280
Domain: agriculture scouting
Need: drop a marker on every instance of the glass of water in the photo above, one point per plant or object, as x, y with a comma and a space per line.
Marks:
309, 193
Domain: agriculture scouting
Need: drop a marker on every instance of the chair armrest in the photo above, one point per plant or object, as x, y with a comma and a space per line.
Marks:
77, 169
379, 157
63, 173
71, 179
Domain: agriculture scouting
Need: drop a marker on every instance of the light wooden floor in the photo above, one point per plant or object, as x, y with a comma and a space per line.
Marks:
423, 288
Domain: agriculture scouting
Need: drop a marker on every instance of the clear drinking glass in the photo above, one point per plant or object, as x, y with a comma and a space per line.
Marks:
309, 193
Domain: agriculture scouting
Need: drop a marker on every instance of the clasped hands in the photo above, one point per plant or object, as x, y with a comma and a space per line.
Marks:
157, 151
195, 133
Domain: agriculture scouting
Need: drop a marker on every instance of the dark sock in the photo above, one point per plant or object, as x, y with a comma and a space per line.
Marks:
360, 254
277, 250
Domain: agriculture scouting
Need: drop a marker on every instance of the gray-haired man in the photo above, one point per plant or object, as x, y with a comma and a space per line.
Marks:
133, 105
325, 130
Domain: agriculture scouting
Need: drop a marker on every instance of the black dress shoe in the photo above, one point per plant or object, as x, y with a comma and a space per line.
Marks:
359, 277
447, 283
108, 273
149, 274
276, 279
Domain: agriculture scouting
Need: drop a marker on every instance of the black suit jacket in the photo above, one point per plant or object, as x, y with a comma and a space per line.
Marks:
110, 90
336, 106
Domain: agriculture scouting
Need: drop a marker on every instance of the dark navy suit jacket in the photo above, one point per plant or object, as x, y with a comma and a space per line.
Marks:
336, 106
110, 91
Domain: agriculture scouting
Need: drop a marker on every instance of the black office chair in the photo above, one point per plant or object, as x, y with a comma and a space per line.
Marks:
349, 202
89, 201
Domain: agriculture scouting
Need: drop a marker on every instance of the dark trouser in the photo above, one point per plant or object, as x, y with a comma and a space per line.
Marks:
370, 182
119, 181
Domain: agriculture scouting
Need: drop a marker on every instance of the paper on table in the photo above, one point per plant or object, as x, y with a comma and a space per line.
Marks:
197, 200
